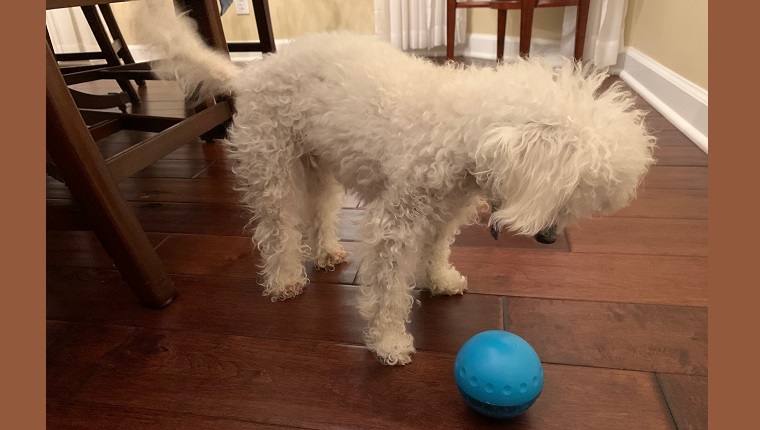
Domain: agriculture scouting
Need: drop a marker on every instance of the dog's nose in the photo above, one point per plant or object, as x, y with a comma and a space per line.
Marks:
547, 236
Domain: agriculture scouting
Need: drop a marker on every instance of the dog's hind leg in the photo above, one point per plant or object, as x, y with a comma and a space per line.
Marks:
278, 238
393, 233
270, 173
325, 196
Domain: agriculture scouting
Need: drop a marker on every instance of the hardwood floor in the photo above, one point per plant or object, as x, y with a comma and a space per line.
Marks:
616, 309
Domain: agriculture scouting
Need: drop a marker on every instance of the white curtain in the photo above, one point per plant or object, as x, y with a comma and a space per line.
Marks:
69, 31
416, 24
604, 32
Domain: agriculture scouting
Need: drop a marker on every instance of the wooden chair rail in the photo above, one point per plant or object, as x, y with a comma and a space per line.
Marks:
143, 154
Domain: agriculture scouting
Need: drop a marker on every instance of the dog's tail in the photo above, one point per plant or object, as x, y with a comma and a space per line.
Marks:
200, 71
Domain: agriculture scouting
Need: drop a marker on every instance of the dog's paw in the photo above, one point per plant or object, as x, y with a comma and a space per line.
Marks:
393, 350
328, 260
446, 282
284, 292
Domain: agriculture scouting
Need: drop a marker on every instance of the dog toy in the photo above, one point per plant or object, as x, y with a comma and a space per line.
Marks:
499, 374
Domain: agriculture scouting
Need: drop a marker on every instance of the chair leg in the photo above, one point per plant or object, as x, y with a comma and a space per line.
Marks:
49, 42
451, 22
264, 25
580, 28
206, 14
527, 7
113, 28
501, 33
112, 59
76, 154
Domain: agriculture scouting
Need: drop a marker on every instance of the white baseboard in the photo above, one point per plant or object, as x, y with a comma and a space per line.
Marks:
680, 101
483, 46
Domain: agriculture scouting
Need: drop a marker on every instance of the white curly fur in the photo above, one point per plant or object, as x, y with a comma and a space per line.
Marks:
419, 143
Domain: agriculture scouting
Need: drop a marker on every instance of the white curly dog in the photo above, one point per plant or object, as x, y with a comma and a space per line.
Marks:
418, 143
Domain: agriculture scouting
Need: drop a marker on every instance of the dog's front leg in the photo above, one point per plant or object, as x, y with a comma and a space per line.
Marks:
442, 276
387, 277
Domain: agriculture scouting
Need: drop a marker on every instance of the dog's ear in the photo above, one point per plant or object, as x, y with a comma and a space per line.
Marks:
532, 168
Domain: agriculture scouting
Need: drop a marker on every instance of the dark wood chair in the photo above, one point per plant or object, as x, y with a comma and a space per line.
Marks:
72, 133
527, 8
114, 53
263, 26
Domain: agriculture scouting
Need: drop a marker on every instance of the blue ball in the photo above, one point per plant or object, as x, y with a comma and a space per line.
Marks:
499, 374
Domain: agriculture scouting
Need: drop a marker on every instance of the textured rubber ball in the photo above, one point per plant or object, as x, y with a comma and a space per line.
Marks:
499, 374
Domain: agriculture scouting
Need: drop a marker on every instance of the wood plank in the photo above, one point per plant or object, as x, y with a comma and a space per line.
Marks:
173, 169
578, 276
179, 190
200, 150
193, 218
53, 330
170, 109
687, 399
613, 335
659, 123
188, 218
323, 312
121, 140
676, 177
194, 150
222, 220
480, 236
164, 190
93, 416
680, 156
667, 203
219, 169
673, 138
75, 351
286, 383
235, 257
82, 249
640, 236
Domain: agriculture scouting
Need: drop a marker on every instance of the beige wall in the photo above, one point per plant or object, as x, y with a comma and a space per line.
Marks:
671, 32
290, 18
547, 23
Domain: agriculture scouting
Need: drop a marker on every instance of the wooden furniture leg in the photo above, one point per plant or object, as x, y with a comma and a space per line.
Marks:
76, 155
264, 25
580, 28
501, 33
104, 43
266, 42
527, 7
451, 22
113, 28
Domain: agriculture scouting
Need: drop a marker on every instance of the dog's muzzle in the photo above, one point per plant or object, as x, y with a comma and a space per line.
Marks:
547, 235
